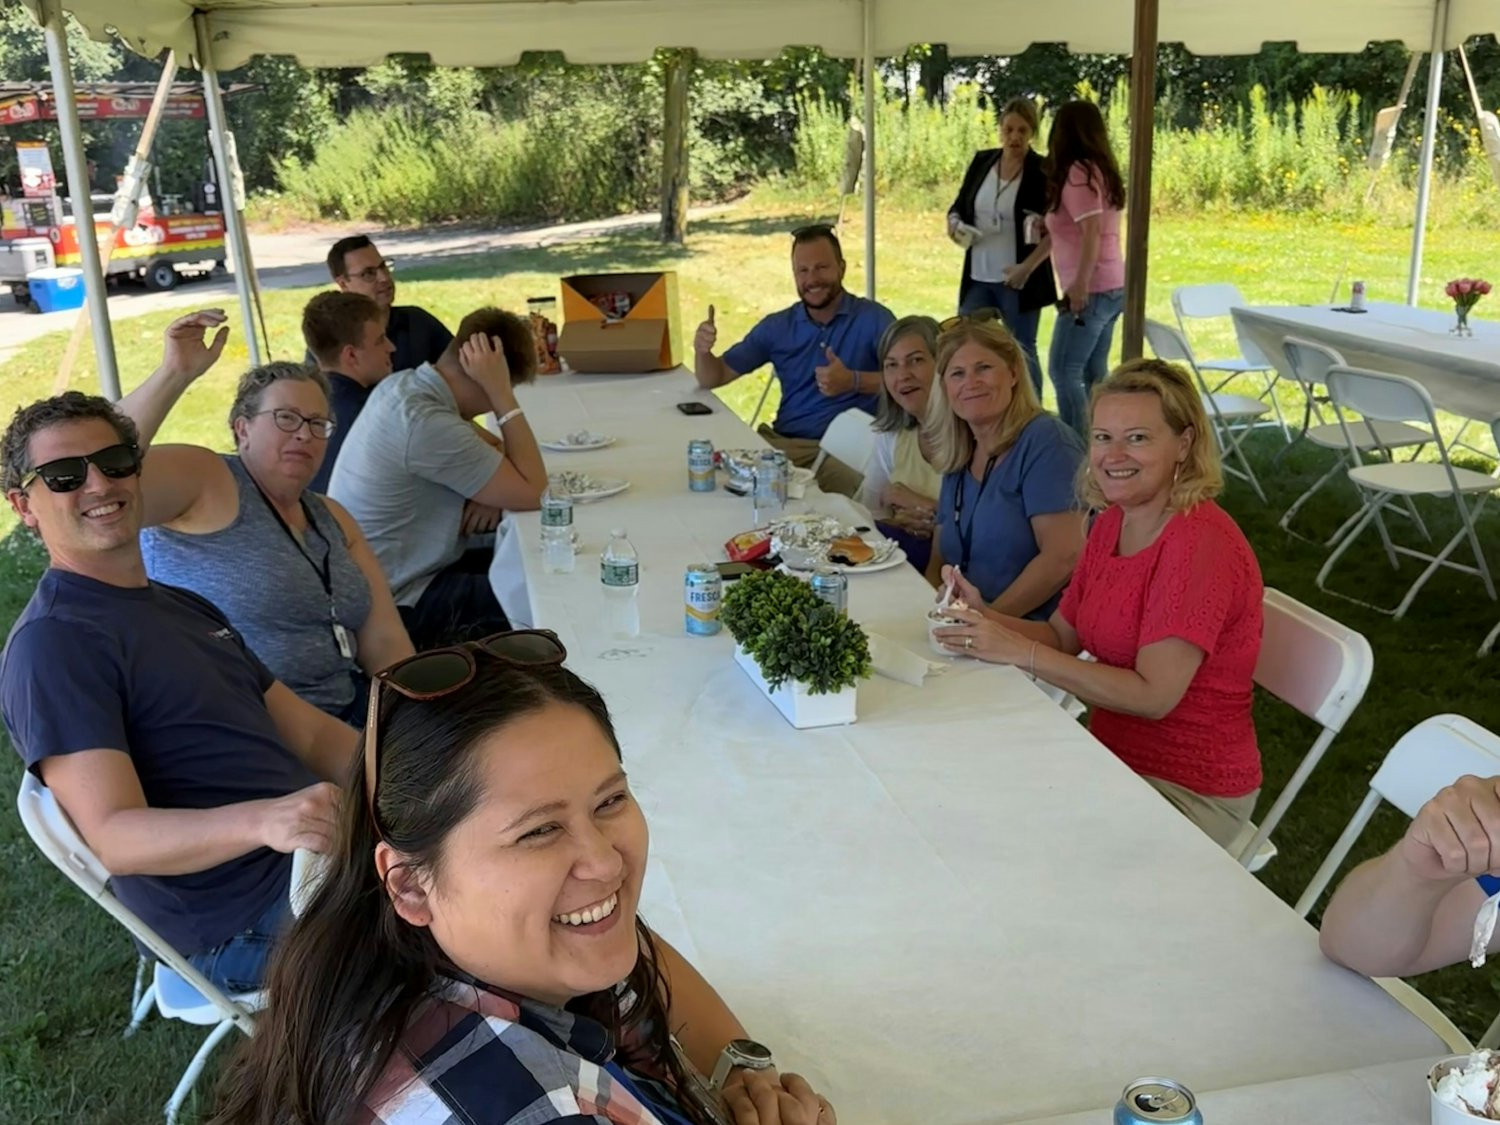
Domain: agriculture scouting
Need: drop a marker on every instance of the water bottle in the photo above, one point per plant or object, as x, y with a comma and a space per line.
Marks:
557, 530
769, 493
620, 573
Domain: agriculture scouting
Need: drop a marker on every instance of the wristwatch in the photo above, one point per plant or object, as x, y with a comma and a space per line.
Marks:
744, 1053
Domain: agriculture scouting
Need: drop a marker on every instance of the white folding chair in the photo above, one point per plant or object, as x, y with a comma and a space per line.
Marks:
1218, 302
1232, 415
1309, 363
1433, 754
1317, 666
849, 439
180, 991
1393, 398
1489, 641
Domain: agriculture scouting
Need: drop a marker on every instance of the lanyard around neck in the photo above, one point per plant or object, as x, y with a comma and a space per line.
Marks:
966, 534
323, 570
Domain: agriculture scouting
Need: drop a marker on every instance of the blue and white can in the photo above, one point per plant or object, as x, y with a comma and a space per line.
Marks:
832, 587
702, 595
1157, 1101
701, 465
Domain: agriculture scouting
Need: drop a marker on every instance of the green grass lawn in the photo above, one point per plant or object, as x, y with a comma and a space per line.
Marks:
65, 970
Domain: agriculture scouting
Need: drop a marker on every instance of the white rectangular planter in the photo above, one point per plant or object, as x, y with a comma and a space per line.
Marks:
796, 705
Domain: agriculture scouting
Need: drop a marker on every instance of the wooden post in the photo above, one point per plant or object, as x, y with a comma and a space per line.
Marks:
674, 146
1138, 190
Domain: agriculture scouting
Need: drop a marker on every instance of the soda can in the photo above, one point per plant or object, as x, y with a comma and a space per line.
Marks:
832, 587
1157, 1101
702, 594
783, 474
1357, 295
701, 465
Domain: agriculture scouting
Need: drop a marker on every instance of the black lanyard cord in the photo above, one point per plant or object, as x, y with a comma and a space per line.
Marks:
323, 570
966, 535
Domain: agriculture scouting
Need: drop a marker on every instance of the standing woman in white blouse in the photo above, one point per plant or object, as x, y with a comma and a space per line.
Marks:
998, 216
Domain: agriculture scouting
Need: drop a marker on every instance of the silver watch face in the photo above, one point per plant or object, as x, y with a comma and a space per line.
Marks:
749, 1053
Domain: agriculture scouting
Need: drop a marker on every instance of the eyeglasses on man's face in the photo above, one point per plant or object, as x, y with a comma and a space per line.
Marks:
290, 421
369, 274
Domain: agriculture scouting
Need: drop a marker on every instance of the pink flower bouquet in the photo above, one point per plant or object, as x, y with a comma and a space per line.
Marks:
1465, 292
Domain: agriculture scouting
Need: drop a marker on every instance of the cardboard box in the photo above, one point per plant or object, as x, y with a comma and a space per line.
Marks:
645, 340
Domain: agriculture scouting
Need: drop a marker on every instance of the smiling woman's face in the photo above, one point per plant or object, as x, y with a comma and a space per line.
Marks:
1133, 453
979, 385
908, 369
536, 889
272, 454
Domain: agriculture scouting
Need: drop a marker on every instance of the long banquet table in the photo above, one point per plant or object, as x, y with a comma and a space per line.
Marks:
961, 909
1461, 374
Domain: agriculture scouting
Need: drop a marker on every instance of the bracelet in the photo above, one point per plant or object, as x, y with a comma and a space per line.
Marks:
1032, 660
508, 416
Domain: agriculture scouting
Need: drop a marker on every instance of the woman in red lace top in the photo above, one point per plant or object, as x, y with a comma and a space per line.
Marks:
1166, 597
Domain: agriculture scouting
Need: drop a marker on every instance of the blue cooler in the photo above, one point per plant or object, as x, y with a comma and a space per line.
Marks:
56, 289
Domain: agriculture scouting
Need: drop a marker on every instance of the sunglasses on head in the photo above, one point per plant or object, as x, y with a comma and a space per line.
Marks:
68, 474
978, 316
443, 671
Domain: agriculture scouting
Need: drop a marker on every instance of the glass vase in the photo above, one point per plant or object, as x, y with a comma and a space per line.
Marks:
1461, 324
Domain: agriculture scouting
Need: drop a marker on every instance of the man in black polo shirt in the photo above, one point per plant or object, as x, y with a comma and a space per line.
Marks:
186, 766
345, 332
357, 267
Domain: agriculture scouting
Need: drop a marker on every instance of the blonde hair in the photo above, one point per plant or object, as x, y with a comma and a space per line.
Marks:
1199, 476
951, 439
1025, 109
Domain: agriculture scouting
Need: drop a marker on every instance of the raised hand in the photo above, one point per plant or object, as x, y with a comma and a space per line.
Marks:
1456, 835
483, 361
187, 353
833, 377
706, 336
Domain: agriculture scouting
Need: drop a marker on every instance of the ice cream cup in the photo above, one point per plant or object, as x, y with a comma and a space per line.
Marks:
937, 619
1442, 1113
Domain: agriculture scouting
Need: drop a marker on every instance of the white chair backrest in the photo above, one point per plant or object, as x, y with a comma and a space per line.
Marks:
1206, 300
1311, 662
1309, 361
54, 834
1168, 343
850, 439
1381, 396
1433, 754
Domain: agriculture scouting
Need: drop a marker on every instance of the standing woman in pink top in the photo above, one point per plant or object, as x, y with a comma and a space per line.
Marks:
1166, 597
1085, 198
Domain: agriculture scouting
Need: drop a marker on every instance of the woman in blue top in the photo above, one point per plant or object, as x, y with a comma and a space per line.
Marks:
1007, 514
288, 567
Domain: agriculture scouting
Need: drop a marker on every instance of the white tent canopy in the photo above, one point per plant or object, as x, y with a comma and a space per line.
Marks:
496, 32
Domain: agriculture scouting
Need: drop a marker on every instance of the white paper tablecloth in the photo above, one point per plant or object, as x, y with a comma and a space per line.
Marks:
1461, 374
962, 908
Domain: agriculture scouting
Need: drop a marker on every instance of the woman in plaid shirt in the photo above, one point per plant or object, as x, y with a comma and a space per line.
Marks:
473, 953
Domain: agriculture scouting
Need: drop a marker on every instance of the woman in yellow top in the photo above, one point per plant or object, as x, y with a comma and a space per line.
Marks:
901, 486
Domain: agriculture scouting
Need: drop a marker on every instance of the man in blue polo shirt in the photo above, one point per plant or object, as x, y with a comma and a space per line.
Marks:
823, 350
1412, 910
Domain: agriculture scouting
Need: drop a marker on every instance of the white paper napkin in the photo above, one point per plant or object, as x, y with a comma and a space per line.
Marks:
896, 662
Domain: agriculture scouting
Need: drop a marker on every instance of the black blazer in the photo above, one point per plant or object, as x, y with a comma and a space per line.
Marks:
1040, 290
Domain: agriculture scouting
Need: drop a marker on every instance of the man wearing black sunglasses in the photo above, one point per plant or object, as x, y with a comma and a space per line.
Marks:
188, 768
822, 350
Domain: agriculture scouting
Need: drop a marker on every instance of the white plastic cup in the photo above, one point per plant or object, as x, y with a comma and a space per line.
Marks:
1442, 1113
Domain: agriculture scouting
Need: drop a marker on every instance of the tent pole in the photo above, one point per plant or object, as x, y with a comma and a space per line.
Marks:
55, 28
1138, 191
1429, 145
233, 221
868, 83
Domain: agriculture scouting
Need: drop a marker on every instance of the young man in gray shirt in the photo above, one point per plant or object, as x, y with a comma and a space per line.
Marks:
413, 460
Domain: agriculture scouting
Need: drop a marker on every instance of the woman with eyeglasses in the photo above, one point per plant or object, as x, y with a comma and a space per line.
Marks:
1085, 201
1008, 518
901, 486
288, 567
997, 217
473, 951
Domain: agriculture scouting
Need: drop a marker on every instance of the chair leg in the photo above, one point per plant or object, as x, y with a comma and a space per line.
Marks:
1235, 448
1489, 641
1479, 560
1385, 538
1435, 565
195, 1068
1362, 521
141, 1010
1491, 1038
1286, 520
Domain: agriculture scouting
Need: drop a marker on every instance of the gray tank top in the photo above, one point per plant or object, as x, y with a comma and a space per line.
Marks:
272, 592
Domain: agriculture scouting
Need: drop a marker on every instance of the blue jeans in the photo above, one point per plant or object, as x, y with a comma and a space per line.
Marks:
1022, 323
239, 965
1080, 354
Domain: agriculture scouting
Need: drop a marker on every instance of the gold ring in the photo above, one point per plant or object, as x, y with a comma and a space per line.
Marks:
968, 642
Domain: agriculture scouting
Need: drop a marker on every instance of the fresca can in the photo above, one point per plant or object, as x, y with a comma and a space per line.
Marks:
1357, 295
702, 594
1157, 1101
831, 585
701, 465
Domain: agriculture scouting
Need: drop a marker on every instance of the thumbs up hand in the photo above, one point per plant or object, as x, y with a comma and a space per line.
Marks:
832, 376
706, 336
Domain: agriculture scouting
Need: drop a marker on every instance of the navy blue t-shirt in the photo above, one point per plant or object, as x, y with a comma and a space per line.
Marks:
419, 337
348, 397
160, 674
793, 343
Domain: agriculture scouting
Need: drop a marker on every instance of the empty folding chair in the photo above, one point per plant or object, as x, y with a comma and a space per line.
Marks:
849, 439
180, 991
1232, 415
1310, 363
1218, 302
1380, 397
1317, 666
